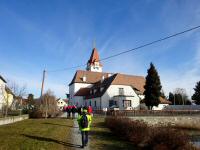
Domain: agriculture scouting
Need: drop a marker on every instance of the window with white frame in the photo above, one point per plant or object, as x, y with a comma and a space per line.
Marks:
126, 103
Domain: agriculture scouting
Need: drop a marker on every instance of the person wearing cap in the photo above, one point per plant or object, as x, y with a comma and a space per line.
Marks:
84, 129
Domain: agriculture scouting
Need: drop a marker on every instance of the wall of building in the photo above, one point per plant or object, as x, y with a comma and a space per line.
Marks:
2, 91
93, 101
5, 98
103, 102
73, 89
160, 107
113, 90
61, 103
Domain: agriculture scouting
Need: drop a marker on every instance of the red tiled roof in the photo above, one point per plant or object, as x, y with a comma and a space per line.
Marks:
137, 82
91, 77
94, 57
83, 92
164, 101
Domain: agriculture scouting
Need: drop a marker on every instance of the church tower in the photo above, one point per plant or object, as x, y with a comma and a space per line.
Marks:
93, 63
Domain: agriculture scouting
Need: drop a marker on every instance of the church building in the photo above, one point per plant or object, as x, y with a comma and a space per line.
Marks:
105, 90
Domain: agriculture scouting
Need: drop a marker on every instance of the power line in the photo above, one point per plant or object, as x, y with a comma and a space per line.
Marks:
136, 48
68, 68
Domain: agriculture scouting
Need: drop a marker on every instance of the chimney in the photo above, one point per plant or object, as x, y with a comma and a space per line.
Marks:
102, 79
84, 78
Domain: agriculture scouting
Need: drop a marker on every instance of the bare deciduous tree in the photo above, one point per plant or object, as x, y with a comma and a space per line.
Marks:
49, 103
18, 91
180, 96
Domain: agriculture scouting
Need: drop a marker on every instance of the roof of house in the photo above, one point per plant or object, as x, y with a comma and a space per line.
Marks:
162, 101
136, 82
91, 77
2, 79
83, 92
94, 57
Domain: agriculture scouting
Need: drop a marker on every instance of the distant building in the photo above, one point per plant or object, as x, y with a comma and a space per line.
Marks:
105, 90
6, 95
61, 103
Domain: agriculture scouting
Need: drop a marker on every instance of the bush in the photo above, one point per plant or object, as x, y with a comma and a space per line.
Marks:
148, 137
35, 114
135, 131
167, 138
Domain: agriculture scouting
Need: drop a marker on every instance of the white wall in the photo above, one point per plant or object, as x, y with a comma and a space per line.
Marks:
61, 103
103, 102
97, 99
73, 89
160, 107
2, 91
113, 90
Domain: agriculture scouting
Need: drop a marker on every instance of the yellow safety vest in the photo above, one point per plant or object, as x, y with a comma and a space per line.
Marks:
89, 117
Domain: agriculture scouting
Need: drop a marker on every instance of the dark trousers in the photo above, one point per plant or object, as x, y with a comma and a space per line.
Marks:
68, 114
84, 137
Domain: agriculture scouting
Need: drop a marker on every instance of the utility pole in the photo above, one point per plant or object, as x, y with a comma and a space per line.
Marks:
42, 89
43, 78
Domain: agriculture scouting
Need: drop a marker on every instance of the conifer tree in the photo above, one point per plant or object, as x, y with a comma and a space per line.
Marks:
196, 95
171, 98
152, 88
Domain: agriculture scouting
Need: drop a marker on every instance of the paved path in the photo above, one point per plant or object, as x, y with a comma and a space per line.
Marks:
76, 139
76, 134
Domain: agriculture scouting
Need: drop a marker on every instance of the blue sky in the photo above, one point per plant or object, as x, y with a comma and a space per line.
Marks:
54, 34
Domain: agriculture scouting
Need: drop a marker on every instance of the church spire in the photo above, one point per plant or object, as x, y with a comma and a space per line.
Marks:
94, 62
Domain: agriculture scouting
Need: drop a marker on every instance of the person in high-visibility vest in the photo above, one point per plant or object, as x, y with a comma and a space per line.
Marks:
84, 122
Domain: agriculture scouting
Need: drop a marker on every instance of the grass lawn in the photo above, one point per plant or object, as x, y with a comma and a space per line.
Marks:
56, 134
34, 134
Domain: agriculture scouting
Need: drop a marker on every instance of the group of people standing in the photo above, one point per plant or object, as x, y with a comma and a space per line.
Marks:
72, 110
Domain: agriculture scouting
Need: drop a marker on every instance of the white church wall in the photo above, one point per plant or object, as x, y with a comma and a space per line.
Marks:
95, 102
113, 90
72, 91
77, 100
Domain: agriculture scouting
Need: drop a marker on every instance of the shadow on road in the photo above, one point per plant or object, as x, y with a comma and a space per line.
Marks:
59, 125
52, 140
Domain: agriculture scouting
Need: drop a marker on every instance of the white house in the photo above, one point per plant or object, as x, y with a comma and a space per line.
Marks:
61, 103
105, 90
163, 104
6, 95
